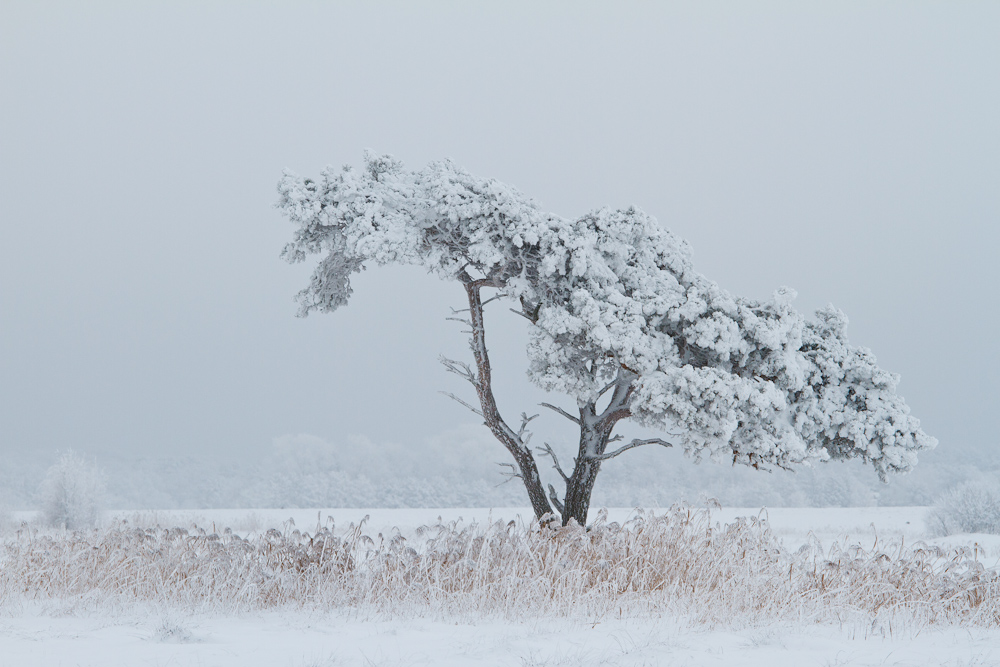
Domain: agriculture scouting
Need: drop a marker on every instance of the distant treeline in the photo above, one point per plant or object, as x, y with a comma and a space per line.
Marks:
460, 470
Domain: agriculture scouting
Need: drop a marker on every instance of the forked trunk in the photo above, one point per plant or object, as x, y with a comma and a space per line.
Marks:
595, 429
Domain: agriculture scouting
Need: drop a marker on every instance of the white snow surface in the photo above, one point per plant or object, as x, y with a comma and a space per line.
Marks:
55, 634
279, 640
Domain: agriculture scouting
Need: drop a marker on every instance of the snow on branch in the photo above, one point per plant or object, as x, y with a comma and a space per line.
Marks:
461, 369
565, 414
523, 435
632, 445
458, 400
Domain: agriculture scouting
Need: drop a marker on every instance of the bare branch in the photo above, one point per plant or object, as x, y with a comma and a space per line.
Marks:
513, 474
607, 387
548, 451
635, 443
562, 412
458, 400
616, 438
465, 321
525, 419
492, 298
555, 499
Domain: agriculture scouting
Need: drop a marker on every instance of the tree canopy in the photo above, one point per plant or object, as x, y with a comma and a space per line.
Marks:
614, 305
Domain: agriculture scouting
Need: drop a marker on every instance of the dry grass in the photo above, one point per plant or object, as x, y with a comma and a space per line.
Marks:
677, 563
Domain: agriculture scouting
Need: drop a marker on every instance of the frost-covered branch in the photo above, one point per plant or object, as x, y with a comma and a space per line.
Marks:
512, 474
565, 414
522, 314
459, 368
523, 435
632, 445
608, 386
493, 298
458, 400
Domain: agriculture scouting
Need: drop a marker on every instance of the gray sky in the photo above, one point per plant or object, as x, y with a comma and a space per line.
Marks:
851, 151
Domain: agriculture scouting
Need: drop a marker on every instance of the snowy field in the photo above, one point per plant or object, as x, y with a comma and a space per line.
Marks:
54, 632
279, 640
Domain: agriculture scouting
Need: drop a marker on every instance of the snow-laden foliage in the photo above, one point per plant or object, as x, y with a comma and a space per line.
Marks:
613, 300
72, 492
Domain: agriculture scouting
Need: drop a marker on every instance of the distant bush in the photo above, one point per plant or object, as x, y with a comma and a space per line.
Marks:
972, 507
72, 493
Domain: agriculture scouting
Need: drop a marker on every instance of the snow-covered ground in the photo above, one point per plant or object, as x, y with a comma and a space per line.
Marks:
54, 634
280, 640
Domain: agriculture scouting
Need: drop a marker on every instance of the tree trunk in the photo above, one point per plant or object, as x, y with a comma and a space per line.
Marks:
580, 485
578, 491
512, 441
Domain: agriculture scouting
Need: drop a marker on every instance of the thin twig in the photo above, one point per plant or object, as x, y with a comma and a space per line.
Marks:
548, 451
460, 368
513, 474
458, 400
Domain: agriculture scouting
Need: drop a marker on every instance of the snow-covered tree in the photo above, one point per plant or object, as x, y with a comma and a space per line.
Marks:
72, 492
619, 321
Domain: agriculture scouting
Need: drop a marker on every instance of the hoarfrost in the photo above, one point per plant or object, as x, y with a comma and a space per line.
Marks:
613, 299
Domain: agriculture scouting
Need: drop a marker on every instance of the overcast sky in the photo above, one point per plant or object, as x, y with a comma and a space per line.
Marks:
851, 151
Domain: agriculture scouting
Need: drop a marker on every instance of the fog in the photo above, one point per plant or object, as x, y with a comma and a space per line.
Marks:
849, 151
